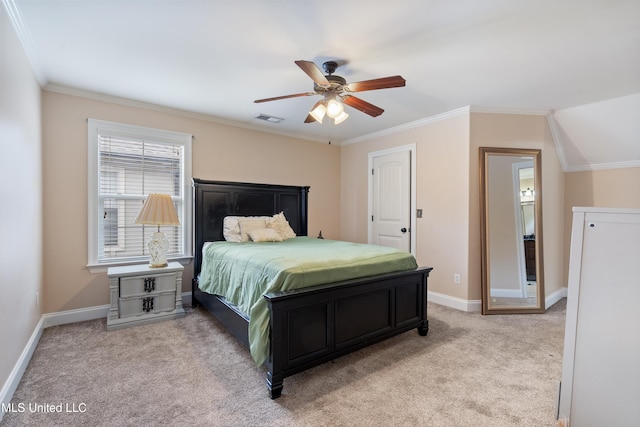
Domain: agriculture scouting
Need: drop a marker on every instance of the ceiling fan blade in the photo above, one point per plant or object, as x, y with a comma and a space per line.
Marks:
363, 106
382, 83
295, 95
313, 71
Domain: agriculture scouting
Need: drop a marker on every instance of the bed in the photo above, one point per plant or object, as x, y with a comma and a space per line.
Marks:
312, 325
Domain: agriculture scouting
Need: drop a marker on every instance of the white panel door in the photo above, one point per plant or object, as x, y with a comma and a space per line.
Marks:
391, 204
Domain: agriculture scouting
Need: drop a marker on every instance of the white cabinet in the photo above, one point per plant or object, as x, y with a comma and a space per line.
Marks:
601, 366
140, 294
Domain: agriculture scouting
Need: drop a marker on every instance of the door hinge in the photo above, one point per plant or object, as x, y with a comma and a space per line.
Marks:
371, 218
371, 171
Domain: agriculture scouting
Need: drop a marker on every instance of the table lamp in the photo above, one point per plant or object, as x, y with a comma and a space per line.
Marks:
158, 209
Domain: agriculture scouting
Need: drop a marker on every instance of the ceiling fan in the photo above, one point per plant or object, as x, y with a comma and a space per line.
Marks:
335, 91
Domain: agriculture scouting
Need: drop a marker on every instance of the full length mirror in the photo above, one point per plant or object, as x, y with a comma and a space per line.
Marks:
511, 216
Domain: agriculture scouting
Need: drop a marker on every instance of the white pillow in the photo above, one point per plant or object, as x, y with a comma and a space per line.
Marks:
264, 235
249, 223
279, 223
231, 229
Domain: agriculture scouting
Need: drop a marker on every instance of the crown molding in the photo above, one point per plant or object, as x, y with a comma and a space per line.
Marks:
603, 166
444, 116
407, 126
548, 114
558, 141
25, 39
515, 111
96, 96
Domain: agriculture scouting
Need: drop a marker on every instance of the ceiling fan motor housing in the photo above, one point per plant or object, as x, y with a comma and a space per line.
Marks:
330, 67
336, 83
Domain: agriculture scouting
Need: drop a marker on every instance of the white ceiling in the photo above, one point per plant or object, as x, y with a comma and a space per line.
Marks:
579, 59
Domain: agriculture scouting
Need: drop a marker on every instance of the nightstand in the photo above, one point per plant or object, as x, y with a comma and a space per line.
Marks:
140, 294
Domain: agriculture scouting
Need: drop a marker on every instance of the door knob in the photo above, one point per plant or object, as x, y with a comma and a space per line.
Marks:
403, 229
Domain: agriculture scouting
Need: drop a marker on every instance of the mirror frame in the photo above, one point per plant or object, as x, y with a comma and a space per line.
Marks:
536, 154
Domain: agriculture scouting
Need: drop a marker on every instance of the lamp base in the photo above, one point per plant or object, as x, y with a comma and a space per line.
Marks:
158, 265
158, 245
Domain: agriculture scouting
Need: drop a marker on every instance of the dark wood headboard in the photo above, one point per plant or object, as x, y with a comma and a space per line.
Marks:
213, 200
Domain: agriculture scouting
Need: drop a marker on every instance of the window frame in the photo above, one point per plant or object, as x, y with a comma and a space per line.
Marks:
95, 128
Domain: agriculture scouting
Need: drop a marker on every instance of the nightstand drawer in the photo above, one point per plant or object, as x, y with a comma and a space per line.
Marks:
155, 303
140, 294
136, 286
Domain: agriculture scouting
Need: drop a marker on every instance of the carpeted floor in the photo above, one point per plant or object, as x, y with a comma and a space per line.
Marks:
470, 370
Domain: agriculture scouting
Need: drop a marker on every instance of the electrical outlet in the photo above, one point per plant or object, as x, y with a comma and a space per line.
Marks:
456, 279
37, 299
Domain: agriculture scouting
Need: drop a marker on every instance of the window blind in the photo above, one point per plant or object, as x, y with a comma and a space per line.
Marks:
131, 164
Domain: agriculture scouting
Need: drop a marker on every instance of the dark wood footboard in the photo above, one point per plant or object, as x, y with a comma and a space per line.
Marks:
315, 325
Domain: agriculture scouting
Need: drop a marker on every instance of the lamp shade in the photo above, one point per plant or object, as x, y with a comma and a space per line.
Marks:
341, 118
158, 209
318, 111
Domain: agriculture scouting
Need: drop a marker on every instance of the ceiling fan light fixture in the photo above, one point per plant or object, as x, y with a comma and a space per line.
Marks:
341, 118
318, 112
334, 108
336, 92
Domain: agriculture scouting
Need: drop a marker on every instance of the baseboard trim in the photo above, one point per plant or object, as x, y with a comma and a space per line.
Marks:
476, 305
10, 386
555, 297
453, 302
74, 316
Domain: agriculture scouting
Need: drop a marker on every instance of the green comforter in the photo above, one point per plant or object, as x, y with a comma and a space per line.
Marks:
243, 272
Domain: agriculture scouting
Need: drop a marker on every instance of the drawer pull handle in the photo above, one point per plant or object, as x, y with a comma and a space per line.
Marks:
147, 304
150, 284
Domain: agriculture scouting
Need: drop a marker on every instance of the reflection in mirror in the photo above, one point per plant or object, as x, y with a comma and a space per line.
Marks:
512, 265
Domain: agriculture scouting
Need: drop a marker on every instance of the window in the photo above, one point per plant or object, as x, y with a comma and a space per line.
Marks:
127, 163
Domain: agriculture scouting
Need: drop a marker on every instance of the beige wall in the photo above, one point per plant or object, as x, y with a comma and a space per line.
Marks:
610, 188
448, 235
20, 202
449, 226
442, 180
220, 152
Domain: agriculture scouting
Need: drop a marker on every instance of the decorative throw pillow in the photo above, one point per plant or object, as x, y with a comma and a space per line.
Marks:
231, 229
279, 223
249, 223
264, 235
